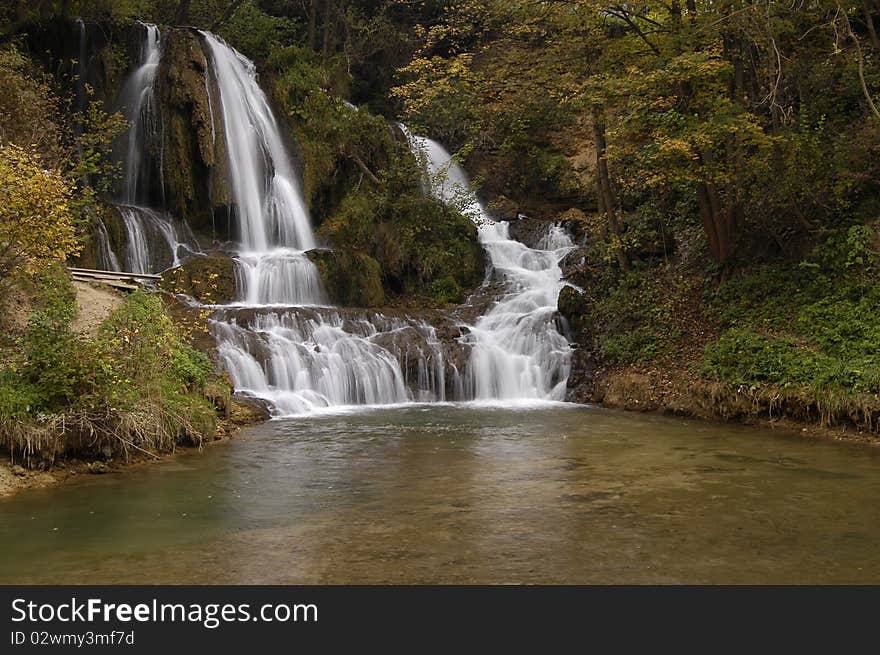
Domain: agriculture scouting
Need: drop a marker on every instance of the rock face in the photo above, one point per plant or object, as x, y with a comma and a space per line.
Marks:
352, 279
193, 157
244, 410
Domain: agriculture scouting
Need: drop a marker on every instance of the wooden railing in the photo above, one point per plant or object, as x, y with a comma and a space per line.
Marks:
118, 279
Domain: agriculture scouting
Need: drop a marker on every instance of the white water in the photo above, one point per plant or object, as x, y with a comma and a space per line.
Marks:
517, 352
280, 341
153, 241
306, 360
286, 348
107, 258
271, 213
139, 106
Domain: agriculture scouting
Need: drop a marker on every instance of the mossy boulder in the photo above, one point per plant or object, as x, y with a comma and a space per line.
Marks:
208, 278
353, 279
423, 247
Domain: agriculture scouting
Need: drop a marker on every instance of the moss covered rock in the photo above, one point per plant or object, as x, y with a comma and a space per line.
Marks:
573, 306
353, 279
208, 278
106, 233
193, 163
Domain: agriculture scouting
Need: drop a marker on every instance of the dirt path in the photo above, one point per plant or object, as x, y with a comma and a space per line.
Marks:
94, 302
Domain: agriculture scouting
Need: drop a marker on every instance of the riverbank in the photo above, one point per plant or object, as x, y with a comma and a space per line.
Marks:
672, 392
15, 478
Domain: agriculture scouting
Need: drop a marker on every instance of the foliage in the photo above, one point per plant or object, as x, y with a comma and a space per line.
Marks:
814, 325
29, 111
137, 383
36, 224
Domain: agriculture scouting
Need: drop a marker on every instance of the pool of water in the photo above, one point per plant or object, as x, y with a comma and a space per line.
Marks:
457, 494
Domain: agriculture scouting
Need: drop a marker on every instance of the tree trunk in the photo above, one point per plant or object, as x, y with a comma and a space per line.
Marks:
328, 30
720, 223
181, 16
605, 191
313, 25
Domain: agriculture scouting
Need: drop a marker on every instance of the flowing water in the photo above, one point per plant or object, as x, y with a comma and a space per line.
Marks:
512, 487
140, 109
154, 241
302, 356
517, 350
456, 494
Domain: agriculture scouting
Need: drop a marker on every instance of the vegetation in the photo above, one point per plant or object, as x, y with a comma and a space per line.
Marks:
723, 155
136, 386
36, 225
367, 192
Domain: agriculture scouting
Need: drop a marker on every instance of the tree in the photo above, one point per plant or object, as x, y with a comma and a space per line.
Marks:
36, 224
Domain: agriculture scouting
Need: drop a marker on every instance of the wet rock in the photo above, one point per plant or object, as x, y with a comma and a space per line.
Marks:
244, 410
98, 468
528, 230
193, 144
573, 306
582, 378
504, 209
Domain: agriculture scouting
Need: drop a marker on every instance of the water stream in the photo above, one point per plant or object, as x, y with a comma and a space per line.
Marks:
452, 494
294, 351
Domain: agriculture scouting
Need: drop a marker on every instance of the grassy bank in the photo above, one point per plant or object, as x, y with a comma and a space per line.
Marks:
791, 340
133, 385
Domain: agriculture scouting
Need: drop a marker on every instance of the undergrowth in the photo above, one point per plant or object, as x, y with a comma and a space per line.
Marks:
138, 385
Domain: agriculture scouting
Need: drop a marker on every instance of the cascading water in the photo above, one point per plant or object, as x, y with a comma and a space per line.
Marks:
280, 341
516, 351
82, 67
272, 217
313, 358
107, 259
139, 106
154, 241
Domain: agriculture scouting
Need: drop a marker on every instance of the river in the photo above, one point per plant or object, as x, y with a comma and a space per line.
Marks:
464, 494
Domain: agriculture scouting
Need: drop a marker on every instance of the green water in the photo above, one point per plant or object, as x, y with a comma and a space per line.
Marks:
461, 495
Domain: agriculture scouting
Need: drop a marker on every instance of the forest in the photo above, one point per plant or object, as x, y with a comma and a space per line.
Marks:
715, 163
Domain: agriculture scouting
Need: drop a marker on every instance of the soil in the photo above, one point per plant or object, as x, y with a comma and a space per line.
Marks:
94, 302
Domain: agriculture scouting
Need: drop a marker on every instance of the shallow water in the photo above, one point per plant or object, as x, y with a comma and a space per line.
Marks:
450, 494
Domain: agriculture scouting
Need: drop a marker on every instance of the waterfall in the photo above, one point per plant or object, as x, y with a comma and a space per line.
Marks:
272, 217
280, 341
139, 106
516, 351
82, 67
107, 258
153, 241
316, 358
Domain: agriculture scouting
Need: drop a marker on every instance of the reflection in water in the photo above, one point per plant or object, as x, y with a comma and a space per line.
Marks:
456, 494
